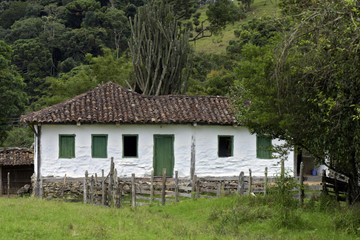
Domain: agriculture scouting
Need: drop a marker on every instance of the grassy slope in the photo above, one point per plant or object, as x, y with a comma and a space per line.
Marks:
217, 44
40, 219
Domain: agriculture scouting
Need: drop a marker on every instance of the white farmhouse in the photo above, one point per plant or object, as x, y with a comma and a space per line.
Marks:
190, 134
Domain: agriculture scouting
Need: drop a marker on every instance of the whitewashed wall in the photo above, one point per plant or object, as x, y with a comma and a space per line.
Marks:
206, 137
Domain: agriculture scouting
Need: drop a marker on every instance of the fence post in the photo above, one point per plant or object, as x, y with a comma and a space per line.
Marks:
218, 190
336, 189
110, 187
63, 188
115, 186
152, 187
1, 182
266, 182
102, 187
163, 187
241, 184
92, 189
193, 187
96, 193
323, 182
176, 187
133, 191
250, 182
8, 185
301, 183
282, 169
197, 187
85, 186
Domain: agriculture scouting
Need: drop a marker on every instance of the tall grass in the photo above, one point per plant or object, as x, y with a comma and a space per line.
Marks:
224, 218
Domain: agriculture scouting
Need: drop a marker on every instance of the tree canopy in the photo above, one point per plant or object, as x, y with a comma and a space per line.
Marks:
12, 95
309, 93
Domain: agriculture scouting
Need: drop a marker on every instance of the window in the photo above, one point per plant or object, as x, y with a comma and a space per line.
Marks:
263, 147
130, 145
66, 146
225, 147
99, 146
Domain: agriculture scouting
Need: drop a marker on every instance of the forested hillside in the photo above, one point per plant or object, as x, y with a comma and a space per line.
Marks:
53, 50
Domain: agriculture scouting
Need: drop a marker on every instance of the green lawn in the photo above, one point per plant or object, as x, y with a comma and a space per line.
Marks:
224, 218
217, 44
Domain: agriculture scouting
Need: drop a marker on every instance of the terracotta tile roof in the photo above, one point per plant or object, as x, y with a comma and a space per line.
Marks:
16, 156
111, 103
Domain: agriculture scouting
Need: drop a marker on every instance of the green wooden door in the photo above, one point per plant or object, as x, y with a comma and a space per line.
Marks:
163, 154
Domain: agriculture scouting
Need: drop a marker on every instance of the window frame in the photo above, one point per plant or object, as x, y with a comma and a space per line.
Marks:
267, 152
61, 146
137, 145
232, 146
92, 145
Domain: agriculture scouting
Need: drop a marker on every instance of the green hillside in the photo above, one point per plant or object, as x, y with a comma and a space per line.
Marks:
218, 44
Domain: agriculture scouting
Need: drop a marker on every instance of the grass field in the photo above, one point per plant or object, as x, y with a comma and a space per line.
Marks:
224, 218
217, 44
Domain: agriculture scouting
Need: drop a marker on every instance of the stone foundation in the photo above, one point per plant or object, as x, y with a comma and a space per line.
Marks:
54, 188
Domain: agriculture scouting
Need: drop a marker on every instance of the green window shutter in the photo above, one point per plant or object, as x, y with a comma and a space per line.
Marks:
99, 146
263, 147
66, 146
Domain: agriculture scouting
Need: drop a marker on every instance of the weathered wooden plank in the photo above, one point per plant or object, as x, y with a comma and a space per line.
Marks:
152, 186
102, 188
250, 182
187, 195
110, 186
266, 182
8, 184
313, 187
163, 187
176, 187
63, 188
1, 182
301, 183
185, 188
133, 191
218, 191
85, 187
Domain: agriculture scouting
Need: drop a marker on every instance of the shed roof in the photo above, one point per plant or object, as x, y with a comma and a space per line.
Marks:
111, 103
16, 156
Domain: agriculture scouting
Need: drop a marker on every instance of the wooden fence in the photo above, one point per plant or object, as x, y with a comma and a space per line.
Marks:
337, 186
112, 190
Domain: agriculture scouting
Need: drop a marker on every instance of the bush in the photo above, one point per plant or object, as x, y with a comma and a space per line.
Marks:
282, 192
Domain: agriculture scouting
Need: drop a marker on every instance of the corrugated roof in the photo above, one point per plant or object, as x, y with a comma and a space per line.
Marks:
16, 156
111, 103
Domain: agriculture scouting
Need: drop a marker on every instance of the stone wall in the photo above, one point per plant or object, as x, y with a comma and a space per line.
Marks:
55, 188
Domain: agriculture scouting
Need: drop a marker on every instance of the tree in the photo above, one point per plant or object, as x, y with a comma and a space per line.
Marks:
12, 95
34, 62
259, 32
82, 78
219, 14
160, 51
16, 10
309, 94
118, 26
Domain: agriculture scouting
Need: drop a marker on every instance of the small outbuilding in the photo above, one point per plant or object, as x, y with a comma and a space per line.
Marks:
19, 163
